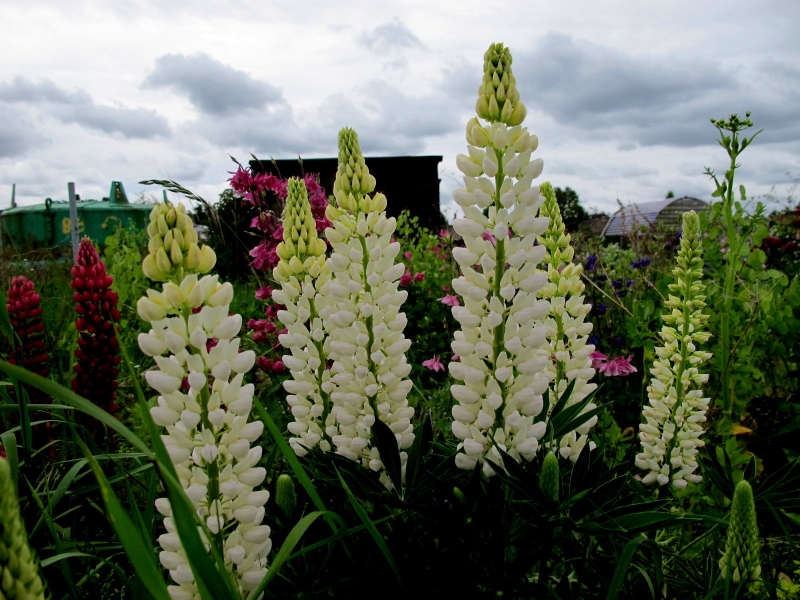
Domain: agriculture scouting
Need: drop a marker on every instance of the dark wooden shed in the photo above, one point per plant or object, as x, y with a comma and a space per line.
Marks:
409, 182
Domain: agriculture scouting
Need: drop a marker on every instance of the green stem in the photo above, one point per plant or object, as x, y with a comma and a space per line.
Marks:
499, 271
730, 280
369, 321
326, 399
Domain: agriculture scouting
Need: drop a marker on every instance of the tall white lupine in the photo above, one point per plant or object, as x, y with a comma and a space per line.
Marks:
207, 433
363, 318
566, 348
302, 271
503, 377
670, 435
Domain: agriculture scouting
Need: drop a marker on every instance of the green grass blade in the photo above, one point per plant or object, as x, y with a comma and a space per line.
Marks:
60, 491
293, 461
10, 446
373, 531
625, 560
67, 396
139, 551
294, 537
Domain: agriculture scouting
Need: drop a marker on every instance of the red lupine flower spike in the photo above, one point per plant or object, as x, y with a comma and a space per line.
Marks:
97, 354
25, 315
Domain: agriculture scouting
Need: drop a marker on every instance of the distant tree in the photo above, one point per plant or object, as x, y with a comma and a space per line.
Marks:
571, 210
670, 194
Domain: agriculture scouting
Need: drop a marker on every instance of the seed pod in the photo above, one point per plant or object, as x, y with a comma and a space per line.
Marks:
549, 477
285, 495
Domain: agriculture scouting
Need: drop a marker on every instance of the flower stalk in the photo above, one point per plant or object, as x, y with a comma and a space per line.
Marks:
369, 374
740, 559
97, 355
670, 435
500, 399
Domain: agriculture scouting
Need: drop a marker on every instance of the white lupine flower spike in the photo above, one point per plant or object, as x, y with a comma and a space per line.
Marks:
363, 319
670, 435
501, 376
302, 271
207, 432
565, 350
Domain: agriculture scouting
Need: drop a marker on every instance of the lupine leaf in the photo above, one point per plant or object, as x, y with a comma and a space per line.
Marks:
624, 562
390, 453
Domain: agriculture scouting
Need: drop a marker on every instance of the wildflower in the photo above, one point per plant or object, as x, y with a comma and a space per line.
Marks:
434, 364
25, 314
740, 559
406, 279
207, 435
419, 276
500, 379
97, 355
450, 300
566, 348
640, 263
591, 262
408, 255
670, 435
443, 233
617, 367
370, 371
302, 272
19, 569
600, 309
264, 293
598, 359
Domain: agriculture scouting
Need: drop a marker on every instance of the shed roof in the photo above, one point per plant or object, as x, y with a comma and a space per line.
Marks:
667, 212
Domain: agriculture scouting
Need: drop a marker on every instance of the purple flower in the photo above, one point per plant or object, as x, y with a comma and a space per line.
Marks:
591, 262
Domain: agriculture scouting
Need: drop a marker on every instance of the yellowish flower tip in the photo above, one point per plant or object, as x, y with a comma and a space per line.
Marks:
555, 238
19, 571
740, 559
498, 98
353, 179
301, 250
174, 245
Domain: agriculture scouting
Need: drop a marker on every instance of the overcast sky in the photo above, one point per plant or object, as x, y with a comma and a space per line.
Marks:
619, 92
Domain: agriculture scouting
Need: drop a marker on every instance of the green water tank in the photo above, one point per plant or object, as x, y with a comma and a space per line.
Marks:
47, 225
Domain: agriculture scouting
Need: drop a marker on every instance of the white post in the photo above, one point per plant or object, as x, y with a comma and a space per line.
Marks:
73, 219
13, 195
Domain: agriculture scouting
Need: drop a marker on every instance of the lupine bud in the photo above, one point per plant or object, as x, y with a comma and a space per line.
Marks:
25, 314
97, 355
670, 435
19, 569
549, 477
498, 98
173, 245
740, 560
285, 495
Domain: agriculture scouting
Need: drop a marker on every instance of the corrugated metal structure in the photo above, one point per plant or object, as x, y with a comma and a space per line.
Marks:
648, 214
47, 225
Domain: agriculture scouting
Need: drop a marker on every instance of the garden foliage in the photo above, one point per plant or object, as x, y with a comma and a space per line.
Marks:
506, 408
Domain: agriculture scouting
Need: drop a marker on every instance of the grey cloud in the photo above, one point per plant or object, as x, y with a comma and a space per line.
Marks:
606, 93
390, 37
17, 135
211, 86
78, 107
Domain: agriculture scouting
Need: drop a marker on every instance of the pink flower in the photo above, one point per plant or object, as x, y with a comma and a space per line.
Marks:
445, 288
419, 277
450, 300
406, 280
456, 358
618, 367
264, 293
444, 233
488, 237
408, 255
278, 366
598, 359
434, 364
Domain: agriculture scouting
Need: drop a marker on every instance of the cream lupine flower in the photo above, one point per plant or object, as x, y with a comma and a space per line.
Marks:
207, 433
565, 347
365, 325
503, 377
670, 435
301, 272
